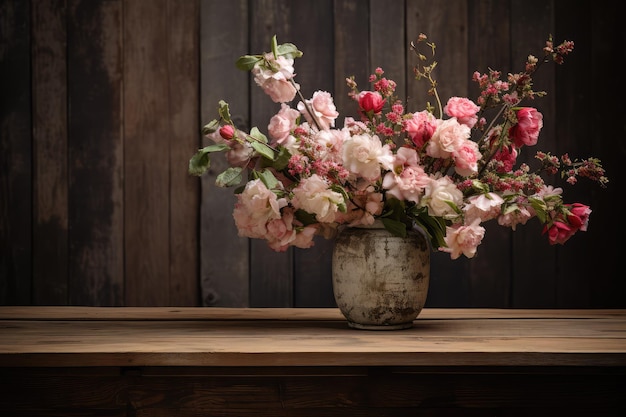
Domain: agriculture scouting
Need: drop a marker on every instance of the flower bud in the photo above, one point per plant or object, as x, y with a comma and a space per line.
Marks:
227, 131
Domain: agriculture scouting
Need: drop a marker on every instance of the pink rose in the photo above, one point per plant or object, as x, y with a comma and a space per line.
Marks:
370, 102
449, 136
323, 108
559, 232
463, 109
421, 127
526, 131
282, 123
579, 215
463, 240
275, 80
466, 158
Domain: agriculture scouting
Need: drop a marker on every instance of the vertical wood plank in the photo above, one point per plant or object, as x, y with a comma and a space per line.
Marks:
146, 159
50, 135
583, 131
445, 24
352, 52
96, 251
224, 257
312, 266
388, 42
271, 276
489, 47
534, 262
573, 134
15, 154
183, 70
606, 45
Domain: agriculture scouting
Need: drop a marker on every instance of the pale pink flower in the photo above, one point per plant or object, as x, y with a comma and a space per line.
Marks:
255, 207
239, 154
283, 233
438, 193
282, 123
407, 180
483, 207
364, 155
466, 158
421, 127
515, 215
276, 83
463, 240
448, 137
323, 108
463, 109
314, 196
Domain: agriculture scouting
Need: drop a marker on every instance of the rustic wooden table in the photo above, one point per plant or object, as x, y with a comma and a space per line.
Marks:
306, 362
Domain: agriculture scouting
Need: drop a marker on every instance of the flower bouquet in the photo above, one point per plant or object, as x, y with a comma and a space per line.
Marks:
447, 168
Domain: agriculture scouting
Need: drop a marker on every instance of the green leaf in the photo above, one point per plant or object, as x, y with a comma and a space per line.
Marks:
274, 47
435, 228
232, 176
224, 112
200, 161
305, 217
258, 135
247, 62
289, 50
282, 159
210, 127
395, 227
268, 178
264, 150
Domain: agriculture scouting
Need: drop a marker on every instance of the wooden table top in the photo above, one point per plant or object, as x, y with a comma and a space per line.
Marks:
259, 337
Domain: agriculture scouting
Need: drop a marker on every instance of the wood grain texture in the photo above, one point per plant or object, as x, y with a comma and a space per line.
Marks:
183, 115
309, 337
95, 153
50, 146
15, 154
223, 284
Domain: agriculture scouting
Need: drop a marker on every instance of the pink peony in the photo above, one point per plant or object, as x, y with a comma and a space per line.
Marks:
370, 102
323, 108
421, 127
448, 137
463, 240
282, 123
463, 109
526, 131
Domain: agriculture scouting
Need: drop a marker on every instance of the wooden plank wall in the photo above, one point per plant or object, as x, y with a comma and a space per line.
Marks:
102, 103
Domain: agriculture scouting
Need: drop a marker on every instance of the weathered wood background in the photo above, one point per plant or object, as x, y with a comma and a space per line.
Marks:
102, 104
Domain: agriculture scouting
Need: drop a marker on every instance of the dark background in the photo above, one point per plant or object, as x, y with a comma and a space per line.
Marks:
102, 104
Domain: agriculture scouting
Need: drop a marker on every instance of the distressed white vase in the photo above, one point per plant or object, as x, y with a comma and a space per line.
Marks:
380, 281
